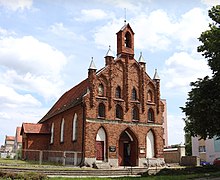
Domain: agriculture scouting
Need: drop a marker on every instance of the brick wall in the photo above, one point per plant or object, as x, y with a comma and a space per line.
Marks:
68, 144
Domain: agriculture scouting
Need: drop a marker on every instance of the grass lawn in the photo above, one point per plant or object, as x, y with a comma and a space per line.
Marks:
165, 177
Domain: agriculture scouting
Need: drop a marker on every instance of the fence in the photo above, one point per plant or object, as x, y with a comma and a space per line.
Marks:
58, 157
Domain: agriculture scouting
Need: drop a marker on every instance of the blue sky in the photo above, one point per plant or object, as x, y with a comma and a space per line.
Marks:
46, 48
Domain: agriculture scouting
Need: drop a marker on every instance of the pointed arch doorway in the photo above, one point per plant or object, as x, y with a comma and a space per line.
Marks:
128, 153
101, 145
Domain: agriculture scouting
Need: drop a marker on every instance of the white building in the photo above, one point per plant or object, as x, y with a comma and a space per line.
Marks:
207, 150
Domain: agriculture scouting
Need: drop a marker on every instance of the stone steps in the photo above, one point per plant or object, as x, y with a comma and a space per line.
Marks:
82, 172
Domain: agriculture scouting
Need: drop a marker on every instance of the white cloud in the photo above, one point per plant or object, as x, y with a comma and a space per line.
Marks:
211, 2
189, 28
182, 68
15, 5
4, 115
30, 65
10, 98
4, 33
130, 5
60, 30
158, 31
105, 35
176, 133
92, 15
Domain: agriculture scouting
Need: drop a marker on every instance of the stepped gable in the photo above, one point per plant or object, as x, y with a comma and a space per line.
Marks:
68, 100
31, 128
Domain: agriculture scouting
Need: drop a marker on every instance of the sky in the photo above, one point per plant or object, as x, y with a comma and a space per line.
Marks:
46, 48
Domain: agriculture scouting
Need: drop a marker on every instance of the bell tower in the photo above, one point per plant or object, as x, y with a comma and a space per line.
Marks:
125, 41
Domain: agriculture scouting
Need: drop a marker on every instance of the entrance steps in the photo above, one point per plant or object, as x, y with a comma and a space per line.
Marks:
80, 172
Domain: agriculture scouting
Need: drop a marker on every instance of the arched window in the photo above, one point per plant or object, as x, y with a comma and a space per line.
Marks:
101, 90
75, 127
135, 113
150, 145
134, 94
101, 110
52, 134
149, 96
62, 130
150, 115
118, 92
119, 112
128, 40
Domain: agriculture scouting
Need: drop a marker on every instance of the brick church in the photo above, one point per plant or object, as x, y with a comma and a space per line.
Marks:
115, 116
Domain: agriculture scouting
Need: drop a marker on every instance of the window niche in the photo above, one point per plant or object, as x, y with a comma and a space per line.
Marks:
100, 90
135, 113
134, 94
150, 115
119, 112
118, 92
101, 111
149, 96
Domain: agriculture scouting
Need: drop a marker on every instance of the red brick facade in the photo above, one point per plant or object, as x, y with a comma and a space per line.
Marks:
115, 107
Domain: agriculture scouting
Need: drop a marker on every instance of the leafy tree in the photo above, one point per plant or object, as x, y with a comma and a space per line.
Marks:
202, 108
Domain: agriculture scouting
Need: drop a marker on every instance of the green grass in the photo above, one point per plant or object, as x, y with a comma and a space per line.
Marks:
12, 161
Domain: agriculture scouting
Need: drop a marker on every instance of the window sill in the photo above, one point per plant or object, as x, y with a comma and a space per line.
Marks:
101, 97
150, 103
150, 121
119, 99
135, 120
100, 117
135, 101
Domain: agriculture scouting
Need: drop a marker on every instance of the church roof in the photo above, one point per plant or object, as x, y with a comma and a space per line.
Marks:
31, 128
68, 99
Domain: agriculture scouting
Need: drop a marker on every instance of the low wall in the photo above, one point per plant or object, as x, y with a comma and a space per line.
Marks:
190, 161
173, 155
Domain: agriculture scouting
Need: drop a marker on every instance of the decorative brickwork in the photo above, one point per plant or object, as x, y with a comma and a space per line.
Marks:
123, 140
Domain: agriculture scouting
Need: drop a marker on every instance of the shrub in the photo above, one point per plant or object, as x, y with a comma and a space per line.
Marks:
25, 176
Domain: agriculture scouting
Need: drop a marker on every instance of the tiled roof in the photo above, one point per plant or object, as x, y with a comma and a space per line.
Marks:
31, 128
68, 99
18, 136
9, 138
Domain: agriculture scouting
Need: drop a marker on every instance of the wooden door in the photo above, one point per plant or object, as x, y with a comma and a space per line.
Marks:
100, 150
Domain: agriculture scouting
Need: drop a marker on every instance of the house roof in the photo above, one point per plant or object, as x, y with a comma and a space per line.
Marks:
68, 99
31, 128
9, 138
18, 135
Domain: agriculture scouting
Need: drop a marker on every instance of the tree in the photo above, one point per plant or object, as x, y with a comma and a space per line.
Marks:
202, 108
